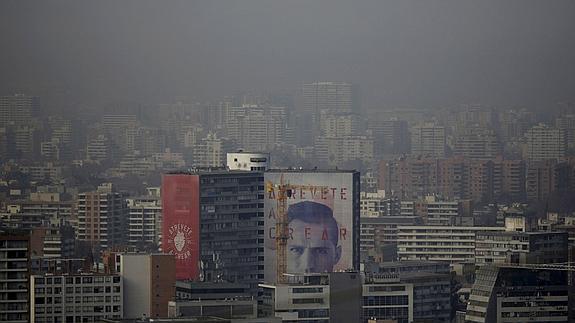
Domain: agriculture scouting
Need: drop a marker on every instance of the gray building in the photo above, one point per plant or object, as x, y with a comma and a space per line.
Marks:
544, 142
231, 221
385, 297
518, 294
428, 139
18, 109
521, 247
221, 299
231, 224
431, 284
320, 298
333, 96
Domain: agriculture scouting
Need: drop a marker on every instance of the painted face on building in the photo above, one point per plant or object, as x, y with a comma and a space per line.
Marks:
312, 246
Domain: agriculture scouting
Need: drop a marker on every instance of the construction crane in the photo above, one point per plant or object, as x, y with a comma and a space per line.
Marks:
283, 191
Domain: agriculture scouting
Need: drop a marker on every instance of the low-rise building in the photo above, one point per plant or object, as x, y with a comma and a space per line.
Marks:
75, 298
219, 299
385, 297
248, 161
431, 283
327, 297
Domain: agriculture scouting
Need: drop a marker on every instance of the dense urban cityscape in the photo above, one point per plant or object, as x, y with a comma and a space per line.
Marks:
313, 204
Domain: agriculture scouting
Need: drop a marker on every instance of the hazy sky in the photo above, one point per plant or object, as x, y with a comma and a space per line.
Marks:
408, 53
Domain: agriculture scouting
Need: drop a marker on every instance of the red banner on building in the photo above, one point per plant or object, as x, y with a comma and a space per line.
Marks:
181, 223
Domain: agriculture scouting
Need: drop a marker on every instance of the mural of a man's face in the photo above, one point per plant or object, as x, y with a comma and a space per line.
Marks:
311, 250
312, 246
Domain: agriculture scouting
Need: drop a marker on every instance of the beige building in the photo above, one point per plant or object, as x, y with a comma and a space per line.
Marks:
149, 282
453, 244
211, 151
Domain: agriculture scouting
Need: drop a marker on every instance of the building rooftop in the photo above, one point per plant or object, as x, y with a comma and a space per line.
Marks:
313, 170
210, 170
410, 263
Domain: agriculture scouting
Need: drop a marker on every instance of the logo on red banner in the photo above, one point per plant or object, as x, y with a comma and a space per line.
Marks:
181, 237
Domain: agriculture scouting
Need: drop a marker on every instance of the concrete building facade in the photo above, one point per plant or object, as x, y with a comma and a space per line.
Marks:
75, 298
453, 244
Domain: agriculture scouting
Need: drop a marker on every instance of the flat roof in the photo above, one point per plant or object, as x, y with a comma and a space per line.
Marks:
310, 170
406, 263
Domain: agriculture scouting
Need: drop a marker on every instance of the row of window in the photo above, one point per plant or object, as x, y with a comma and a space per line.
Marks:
77, 280
79, 309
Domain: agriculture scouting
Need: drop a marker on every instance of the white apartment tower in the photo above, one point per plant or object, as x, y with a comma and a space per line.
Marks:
144, 223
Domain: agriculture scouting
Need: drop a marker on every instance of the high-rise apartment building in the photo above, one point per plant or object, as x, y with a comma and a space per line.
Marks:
337, 151
335, 97
545, 142
339, 124
391, 136
477, 143
256, 128
18, 109
14, 272
332, 96
377, 204
215, 217
445, 212
144, 222
546, 176
454, 177
567, 124
428, 139
102, 217
99, 148
211, 151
